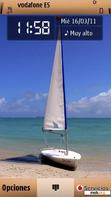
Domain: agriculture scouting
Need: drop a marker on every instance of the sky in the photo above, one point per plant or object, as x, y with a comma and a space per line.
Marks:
25, 71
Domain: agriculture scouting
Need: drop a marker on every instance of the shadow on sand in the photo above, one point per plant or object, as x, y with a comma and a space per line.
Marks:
32, 159
24, 159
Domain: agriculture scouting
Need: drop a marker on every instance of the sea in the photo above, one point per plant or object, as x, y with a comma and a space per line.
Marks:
91, 137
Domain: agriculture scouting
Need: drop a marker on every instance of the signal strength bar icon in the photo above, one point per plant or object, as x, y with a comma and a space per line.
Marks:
1, 8
109, 10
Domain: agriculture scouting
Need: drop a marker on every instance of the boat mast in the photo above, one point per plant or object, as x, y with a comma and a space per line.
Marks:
66, 134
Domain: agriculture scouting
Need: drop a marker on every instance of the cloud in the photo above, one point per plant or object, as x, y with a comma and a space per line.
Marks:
30, 104
33, 104
2, 101
96, 106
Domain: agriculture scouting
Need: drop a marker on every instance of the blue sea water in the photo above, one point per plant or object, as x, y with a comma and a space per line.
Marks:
88, 136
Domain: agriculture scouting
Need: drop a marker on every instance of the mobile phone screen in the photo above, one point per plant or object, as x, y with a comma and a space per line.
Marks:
55, 98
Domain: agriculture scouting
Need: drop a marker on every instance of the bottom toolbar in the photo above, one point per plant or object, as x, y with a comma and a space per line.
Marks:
53, 187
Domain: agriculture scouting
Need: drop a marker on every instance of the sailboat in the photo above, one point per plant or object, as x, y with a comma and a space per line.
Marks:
55, 116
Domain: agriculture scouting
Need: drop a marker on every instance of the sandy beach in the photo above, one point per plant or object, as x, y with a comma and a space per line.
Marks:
27, 166
21, 170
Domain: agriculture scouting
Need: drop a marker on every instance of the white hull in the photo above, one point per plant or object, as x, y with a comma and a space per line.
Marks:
59, 156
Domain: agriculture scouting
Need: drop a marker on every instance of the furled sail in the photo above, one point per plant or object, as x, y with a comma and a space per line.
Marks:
55, 115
